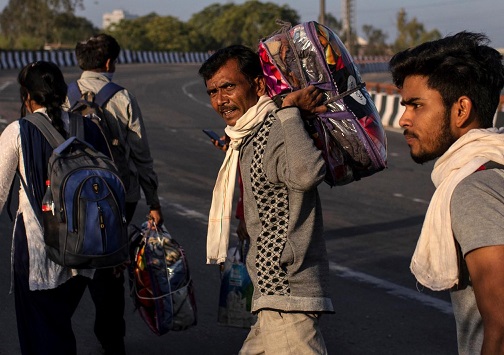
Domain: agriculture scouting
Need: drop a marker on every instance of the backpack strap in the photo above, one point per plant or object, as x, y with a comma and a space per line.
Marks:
73, 93
54, 138
493, 165
106, 92
110, 89
76, 124
46, 128
490, 165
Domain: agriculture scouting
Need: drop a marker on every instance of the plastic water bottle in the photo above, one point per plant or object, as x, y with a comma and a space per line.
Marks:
47, 200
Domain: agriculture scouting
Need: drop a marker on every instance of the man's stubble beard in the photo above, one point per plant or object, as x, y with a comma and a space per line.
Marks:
445, 140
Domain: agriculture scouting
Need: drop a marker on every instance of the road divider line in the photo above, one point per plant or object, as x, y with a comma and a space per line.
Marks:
391, 288
191, 96
186, 212
4, 85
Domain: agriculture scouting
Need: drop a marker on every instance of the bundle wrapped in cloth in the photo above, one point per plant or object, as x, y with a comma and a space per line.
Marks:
350, 134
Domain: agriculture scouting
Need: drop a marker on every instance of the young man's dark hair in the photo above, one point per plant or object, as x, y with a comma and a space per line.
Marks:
248, 62
94, 52
462, 64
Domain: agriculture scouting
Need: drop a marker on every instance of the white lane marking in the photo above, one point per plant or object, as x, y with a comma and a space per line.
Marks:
4, 85
347, 273
191, 96
419, 200
185, 212
414, 199
391, 288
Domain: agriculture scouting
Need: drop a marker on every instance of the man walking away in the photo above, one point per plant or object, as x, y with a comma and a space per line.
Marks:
97, 57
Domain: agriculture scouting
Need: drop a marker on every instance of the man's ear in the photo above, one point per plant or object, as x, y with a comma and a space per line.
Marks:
463, 113
260, 86
109, 66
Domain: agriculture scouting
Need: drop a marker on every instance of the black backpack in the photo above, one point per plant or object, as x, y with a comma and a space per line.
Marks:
85, 227
90, 105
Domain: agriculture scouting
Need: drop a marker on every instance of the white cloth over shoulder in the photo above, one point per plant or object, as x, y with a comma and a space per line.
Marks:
219, 220
434, 262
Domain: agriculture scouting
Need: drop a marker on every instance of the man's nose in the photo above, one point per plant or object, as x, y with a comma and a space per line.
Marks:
222, 97
405, 121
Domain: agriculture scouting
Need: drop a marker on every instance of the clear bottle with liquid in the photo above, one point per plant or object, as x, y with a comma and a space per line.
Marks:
47, 200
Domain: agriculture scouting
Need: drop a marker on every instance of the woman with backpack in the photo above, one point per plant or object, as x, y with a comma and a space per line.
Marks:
46, 294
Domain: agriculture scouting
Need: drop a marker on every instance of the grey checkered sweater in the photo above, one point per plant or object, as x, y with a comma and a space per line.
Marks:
287, 261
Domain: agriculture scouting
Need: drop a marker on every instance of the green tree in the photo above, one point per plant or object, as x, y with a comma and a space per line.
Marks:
237, 24
32, 19
375, 38
333, 23
167, 33
152, 33
201, 29
69, 29
132, 34
412, 33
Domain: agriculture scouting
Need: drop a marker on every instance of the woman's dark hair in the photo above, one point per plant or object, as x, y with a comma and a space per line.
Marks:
43, 83
93, 53
458, 65
248, 62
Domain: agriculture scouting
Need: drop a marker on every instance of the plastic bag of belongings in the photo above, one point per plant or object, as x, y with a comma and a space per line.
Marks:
160, 282
350, 134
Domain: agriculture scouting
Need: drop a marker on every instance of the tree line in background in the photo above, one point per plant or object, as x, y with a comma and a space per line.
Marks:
33, 24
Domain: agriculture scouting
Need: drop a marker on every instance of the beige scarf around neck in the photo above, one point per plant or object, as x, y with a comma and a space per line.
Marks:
434, 262
219, 219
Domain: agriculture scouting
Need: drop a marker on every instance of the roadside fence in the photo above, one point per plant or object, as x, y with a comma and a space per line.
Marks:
385, 95
66, 58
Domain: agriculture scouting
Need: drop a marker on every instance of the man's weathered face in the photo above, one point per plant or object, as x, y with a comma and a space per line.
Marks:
426, 122
231, 94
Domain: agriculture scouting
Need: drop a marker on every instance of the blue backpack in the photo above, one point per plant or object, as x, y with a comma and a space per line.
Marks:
86, 226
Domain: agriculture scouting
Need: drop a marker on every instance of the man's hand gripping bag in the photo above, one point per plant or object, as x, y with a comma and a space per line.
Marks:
350, 134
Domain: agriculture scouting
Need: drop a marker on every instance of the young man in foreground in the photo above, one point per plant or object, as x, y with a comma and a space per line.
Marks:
451, 89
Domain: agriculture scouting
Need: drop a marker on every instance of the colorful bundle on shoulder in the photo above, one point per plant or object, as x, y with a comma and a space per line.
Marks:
350, 134
160, 282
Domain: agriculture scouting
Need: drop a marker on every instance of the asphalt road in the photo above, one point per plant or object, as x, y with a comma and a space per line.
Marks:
371, 231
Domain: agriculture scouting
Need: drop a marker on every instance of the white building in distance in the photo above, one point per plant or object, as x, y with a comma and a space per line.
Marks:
115, 16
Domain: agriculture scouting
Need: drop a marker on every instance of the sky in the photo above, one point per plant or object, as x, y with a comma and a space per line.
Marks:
447, 16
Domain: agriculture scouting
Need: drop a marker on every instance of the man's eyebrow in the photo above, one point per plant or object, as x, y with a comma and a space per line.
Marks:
410, 101
214, 88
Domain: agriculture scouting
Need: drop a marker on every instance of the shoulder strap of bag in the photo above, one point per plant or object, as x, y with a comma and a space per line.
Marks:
490, 165
54, 138
493, 165
31, 199
106, 92
46, 128
76, 124
110, 89
73, 93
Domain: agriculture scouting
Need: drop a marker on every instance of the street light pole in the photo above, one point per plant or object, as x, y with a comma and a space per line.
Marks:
321, 18
348, 24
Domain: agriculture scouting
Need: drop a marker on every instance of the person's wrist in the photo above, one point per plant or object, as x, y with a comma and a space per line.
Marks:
155, 206
288, 103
